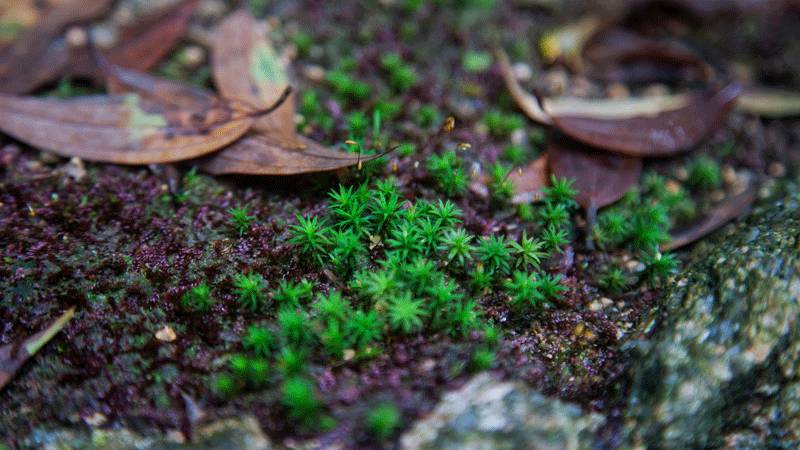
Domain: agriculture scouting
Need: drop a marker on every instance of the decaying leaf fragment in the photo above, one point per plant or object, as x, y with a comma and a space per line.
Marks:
731, 208
123, 129
13, 356
601, 178
529, 181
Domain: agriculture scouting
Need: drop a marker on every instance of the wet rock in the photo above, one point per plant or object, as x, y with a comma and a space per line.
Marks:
491, 414
228, 434
720, 368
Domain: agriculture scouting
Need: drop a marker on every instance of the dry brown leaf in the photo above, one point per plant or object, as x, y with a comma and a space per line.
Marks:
769, 102
526, 102
13, 356
618, 55
731, 208
257, 154
246, 68
40, 52
529, 181
600, 178
142, 45
663, 134
124, 129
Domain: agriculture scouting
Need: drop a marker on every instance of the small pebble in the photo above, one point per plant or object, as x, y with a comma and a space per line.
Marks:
193, 56
776, 169
522, 71
606, 301
518, 136
96, 419
618, 91
166, 334
595, 306
76, 37
314, 73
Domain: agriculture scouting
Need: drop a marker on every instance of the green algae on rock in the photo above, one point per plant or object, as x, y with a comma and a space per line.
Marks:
721, 367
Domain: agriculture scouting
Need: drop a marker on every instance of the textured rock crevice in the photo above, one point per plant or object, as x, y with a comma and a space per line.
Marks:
720, 367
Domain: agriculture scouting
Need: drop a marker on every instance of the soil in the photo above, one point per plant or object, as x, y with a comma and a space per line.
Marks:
123, 244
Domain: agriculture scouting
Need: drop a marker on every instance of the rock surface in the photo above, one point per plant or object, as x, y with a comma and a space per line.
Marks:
229, 434
491, 414
720, 369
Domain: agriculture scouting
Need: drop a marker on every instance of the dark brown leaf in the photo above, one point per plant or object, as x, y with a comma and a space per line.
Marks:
13, 356
143, 44
600, 178
618, 55
246, 67
125, 129
729, 209
38, 55
529, 181
258, 154
666, 133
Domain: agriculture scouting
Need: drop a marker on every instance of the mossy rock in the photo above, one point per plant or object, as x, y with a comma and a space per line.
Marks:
720, 365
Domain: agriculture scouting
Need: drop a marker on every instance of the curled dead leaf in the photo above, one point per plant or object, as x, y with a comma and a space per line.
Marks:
731, 208
13, 356
601, 178
662, 134
618, 55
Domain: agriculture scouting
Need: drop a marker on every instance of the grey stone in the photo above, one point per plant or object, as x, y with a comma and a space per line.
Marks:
227, 434
720, 368
497, 415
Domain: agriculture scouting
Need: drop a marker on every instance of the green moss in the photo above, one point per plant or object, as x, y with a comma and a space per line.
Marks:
383, 420
198, 298
704, 173
249, 290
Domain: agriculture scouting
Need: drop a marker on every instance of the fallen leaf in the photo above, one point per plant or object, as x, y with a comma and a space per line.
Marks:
566, 43
731, 208
769, 102
254, 154
124, 129
527, 103
142, 45
600, 178
119, 80
258, 154
13, 356
246, 67
567, 106
41, 49
618, 55
147, 42
665, 133
529, 181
